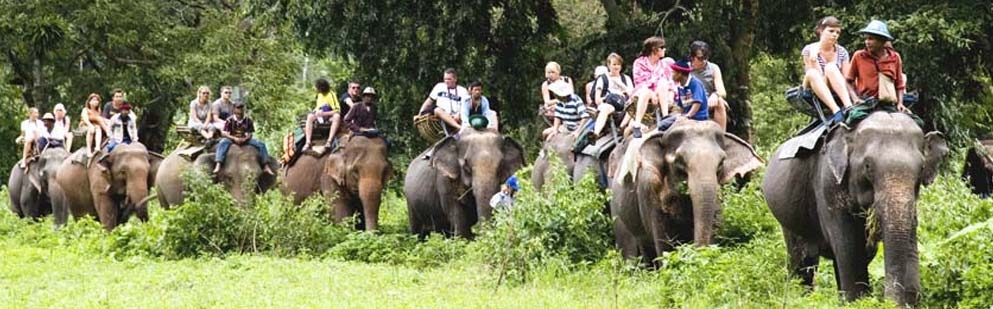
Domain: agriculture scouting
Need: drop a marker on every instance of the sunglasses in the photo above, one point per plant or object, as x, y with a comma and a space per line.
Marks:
227, 92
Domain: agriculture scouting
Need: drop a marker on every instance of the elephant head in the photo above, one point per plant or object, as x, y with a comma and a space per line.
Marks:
978, 168
241, 173
43, 179
692, 159
881, 164
358, 174
480, 161
559, 145
121, 184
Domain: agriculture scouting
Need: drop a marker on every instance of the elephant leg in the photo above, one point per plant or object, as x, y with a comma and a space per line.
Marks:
107, 211
339, 205
847, 235
30, 207
802, 261
458, 216
625, 240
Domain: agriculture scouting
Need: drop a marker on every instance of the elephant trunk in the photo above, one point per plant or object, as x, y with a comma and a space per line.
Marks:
137, 191
370, 193
898, 220
703, 187
60, 209
483, 188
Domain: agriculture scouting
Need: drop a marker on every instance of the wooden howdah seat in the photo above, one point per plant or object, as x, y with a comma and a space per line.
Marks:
650, 112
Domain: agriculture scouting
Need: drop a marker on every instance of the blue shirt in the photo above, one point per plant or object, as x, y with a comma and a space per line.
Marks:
691, 93
484, 107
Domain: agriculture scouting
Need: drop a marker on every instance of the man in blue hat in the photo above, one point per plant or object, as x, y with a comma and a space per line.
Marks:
504, 199
877, 71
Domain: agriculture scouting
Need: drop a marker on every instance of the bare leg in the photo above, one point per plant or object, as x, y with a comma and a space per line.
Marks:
98, 139
820, 88
644, 98
601, 118
28, 141
447, 118
308, 129
837, 82
720, 113
335, 122
90, 132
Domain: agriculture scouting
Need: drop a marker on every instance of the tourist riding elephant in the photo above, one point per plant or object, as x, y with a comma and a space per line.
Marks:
978, 168
353, 180
559, 145
859, 188
240, 164
36, 193
451, 190
672, 196
112, 187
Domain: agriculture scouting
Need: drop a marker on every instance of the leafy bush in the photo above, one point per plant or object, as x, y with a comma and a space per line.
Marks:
564, 223
745, 215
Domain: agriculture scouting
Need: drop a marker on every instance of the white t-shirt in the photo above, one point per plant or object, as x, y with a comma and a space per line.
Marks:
32, 128
449, 99
61, 128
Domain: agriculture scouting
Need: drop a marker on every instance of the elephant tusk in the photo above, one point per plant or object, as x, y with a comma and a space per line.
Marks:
147, 198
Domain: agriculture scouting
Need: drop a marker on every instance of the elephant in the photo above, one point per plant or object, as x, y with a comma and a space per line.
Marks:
859, 188
450, 191
113, 186
351, 180
559, 145
36, 193
978, 168
241, 163
674, 195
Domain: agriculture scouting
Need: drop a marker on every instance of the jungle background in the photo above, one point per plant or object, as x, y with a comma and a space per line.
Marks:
555, 251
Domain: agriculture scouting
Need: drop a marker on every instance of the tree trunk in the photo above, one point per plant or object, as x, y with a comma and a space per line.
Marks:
154, 125
740, 113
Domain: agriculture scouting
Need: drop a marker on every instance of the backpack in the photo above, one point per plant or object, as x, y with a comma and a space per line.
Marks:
605, 81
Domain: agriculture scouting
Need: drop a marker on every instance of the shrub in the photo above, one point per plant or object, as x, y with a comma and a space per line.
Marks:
745, 215
564, 223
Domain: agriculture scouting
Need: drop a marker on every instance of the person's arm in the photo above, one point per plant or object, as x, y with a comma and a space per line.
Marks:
850, 75
555, 126
589, 87
546, 97
351, 119
694, 108
900, 82
133, 130
226, 131
719, 83
193, 112
810, 58
466, 106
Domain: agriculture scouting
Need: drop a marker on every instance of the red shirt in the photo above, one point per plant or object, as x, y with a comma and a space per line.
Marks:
866, 68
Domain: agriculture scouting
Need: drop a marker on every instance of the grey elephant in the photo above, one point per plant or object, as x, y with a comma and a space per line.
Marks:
241, 164
36, 193
673, 196
450, 191
111, 187
352, 180
859, 188
559, 145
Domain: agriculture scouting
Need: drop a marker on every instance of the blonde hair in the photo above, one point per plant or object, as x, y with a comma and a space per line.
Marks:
553, 65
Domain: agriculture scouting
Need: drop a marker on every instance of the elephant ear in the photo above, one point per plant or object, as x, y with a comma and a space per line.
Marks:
445, 158
837, 154
513, 157
334, 167
740, 159
35, 176
657, 152
935, 150
154, 160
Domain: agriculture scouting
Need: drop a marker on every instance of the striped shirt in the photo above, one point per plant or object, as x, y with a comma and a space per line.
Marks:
812, 49
571, 112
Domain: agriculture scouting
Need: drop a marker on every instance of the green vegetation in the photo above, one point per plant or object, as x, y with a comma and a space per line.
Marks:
554, 249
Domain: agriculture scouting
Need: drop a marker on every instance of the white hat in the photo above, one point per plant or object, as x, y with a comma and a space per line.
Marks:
59, 107
48, 116
560, 88
369, 90
600, 70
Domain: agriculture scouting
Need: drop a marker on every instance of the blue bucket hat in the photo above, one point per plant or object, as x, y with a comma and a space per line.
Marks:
512, 183
877, 28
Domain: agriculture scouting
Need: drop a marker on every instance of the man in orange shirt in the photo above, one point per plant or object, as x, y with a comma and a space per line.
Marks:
877, 70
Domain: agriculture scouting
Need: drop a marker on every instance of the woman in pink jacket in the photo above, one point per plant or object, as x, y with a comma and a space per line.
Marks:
652, 81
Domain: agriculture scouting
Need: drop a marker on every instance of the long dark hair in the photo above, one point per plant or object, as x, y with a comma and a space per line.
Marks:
322, 85
651, 44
